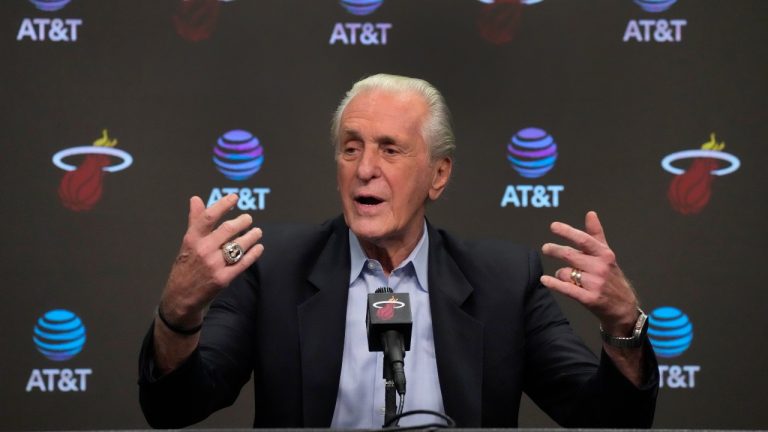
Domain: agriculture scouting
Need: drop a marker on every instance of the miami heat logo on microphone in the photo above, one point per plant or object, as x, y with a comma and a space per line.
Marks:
81, 187
385, 310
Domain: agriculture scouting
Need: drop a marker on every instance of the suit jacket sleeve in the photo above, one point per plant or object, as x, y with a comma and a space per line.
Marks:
273, 322
211, 378
568, 382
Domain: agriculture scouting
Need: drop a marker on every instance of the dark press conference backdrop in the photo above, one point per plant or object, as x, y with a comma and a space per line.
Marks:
114, 113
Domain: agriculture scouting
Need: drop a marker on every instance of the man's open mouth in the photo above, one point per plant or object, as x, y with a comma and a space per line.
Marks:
368, 200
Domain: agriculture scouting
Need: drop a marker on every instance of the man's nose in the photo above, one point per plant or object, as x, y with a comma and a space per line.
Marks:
368, 166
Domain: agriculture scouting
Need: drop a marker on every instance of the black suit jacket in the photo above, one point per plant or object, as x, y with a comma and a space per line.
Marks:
497, 332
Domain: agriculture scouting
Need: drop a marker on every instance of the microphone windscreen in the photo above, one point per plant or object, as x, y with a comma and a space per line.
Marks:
388, 311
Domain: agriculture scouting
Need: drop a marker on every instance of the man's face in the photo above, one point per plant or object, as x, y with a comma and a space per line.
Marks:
384, 171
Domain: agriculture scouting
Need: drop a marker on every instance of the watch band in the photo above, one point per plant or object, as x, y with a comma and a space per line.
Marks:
634, 341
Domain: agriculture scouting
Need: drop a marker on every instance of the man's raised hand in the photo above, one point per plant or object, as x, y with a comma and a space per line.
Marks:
200, 270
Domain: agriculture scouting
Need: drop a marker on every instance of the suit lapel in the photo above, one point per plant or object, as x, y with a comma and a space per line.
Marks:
322, 320
458, 336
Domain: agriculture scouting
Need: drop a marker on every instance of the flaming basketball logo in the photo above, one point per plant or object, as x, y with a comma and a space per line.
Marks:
690, 190
387, 311
196, 20
499, 19
81, 187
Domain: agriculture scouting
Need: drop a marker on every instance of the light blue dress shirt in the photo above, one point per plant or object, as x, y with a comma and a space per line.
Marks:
360, 400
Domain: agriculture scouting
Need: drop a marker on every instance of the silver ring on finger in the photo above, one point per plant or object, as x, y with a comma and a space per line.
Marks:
232, 252
576, 277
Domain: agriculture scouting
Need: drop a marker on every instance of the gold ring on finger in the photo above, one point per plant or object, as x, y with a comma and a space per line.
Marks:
576, 277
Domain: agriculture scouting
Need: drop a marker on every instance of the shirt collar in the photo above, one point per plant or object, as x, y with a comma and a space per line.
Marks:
418, 258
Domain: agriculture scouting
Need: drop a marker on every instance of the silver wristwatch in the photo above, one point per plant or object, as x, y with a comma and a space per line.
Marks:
634, 341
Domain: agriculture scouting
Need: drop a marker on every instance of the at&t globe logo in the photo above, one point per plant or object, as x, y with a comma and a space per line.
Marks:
361, 7
670, 332
49, 5
238, 155
655, 5
532, 153
59, 335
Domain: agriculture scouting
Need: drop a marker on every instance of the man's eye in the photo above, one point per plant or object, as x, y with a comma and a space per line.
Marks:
390, 151
350, 150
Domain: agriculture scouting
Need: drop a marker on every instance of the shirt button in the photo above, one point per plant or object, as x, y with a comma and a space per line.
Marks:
371, 266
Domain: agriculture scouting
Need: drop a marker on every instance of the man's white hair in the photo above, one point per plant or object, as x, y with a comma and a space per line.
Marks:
437, 131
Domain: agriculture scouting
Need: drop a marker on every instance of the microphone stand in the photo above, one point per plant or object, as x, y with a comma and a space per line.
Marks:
390, 406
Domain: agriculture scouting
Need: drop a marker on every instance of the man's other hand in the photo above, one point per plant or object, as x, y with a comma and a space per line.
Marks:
593, 278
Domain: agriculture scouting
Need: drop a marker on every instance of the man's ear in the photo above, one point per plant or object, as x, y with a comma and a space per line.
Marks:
441, 174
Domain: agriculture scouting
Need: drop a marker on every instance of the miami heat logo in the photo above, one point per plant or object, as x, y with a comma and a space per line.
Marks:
195, 20
499, 19
385, 310
690, 190
81, 187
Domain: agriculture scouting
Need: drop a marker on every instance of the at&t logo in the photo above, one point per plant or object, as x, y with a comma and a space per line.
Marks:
654, 30
49, 29
532, 152
49, 5
360, 33
238, 155
671, 333
361, 7
59, 335
655, 5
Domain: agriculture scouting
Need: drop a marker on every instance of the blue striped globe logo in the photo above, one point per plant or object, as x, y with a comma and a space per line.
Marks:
670, 331
361, 7
655, 5
238, 155
525, 2
532, 152
59, 335
49, 5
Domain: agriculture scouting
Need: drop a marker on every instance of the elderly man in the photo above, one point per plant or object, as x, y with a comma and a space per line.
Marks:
288, 308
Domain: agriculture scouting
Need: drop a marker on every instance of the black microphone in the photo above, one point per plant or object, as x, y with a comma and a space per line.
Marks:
389, 323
